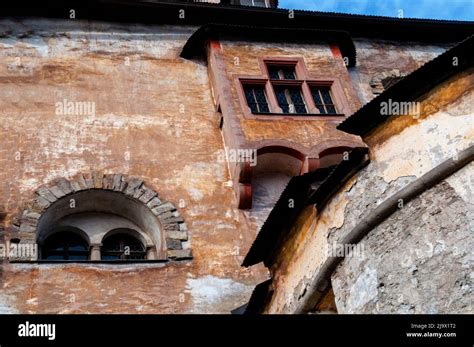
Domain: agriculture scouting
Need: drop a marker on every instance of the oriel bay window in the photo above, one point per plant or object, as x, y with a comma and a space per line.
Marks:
287, 88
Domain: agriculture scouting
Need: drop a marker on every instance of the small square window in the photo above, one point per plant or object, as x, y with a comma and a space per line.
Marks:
256, 98
323, 100
278, 72
290, 99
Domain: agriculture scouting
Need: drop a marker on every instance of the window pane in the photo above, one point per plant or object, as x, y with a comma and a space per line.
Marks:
326, 96
297, 99
279, 72
282, 101
260, 96
300, 109
110, 257
249, 95
122, 247
264, 108
289, 73
256, 99
54, 257
296, 96
76, 247
316, 96
254, 107
331, 109
323, 100
65, 245
321, 109
273, 72
78, 257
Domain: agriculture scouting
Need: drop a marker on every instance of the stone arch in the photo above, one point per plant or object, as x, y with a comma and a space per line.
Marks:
115, 194
324, 154
293, 151
330, 152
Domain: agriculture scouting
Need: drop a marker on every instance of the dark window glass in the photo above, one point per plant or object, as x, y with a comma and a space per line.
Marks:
281, 72
256, 99
323, 100
122, 247
282, 100
290, 99
65, 245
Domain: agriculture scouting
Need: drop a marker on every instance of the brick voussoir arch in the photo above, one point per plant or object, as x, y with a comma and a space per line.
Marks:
174, 227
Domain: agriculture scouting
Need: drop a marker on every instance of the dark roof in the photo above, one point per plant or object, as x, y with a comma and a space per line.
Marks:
240, 309
412, 87
163, 12
195, 46
282, 216
260, 295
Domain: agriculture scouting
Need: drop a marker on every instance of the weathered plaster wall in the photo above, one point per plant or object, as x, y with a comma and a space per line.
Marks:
154, 119
429, 228
423, 251
375, 57
417, 261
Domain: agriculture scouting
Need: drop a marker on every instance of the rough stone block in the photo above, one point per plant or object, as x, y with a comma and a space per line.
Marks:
30, 217
139, 192
173, 220
64, 185
46, 194
171, 227
108, 182
173, 244
57, 192
39, 204
180, 254
132, 186
165, 215
78, 182
97, 178
147, 195
117, 182
27, 228
166, 207
75, 186
154, 202
177, 235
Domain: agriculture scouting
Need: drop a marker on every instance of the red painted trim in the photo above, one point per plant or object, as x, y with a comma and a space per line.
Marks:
336, 52
245, 196
282, 149
215, 45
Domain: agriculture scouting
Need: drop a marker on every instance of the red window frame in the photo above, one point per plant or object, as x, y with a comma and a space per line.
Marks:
304, 80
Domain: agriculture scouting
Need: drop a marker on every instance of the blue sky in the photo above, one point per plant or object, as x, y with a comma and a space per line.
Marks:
434, 9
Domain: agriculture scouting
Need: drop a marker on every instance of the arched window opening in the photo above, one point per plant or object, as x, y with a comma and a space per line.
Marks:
96, 206
122, 246
65, 245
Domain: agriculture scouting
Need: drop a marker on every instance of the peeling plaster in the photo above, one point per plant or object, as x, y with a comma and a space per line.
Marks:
209, 291
363, 290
